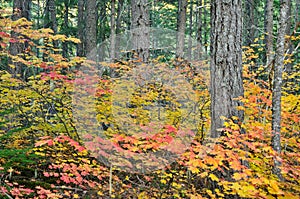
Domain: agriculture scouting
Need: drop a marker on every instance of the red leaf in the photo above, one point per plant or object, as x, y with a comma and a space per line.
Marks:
50, 142
12, 40
4, 34
170, 129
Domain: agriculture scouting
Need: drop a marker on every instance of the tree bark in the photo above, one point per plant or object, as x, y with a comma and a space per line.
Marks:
52, 9
190, 30
66, 26
289, 66
21, 8
181, 26
119, 14
112, 31
140, 28
249, 22
269, 31
206, 27
103, 21
91, 27
80, 33
50, 20
226, 62
118, 24
276, 92
199, 29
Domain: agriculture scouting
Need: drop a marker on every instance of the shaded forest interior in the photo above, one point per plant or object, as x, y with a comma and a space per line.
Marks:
149, 99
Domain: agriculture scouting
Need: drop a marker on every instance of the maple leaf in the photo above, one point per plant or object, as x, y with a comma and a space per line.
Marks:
12, 40
237, 176
46, 174
213, 177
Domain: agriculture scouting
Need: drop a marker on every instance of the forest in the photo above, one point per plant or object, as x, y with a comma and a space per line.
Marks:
149, 99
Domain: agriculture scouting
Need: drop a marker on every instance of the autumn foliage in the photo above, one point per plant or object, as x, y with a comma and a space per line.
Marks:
42, 154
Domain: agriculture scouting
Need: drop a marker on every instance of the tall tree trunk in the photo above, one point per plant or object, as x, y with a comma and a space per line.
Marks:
52, 10
249, 22
91, 27
112, 31
119, 15
118, 24
80, 33
140, 28
190, 29
21, 8
102, 20
205, 27
181, 25
199, 29
226, 62
50, 20
276, 92
289, 66
66, 26
269, 31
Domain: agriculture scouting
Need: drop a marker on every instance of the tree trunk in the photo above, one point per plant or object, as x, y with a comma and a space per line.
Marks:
276, 92
52, 9
80, 33
140, 28
199, 29
21, 8
118, 24
290, 48
249, 22
119, 14
190, 30
66, 26
269, 31
102, 20
91, 27
112, 31
50, 19
181, 25
205, 27
226, 62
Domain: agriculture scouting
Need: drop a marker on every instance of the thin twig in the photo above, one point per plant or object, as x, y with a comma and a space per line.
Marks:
9, 196
110, 180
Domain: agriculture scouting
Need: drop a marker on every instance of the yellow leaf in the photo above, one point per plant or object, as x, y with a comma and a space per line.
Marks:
237, 176
75, 196
274, 189
236, 186
6, 76
59, 37
204, 174
74, 40
213, 177
142, 195
12, 66
10, 170
194, 170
